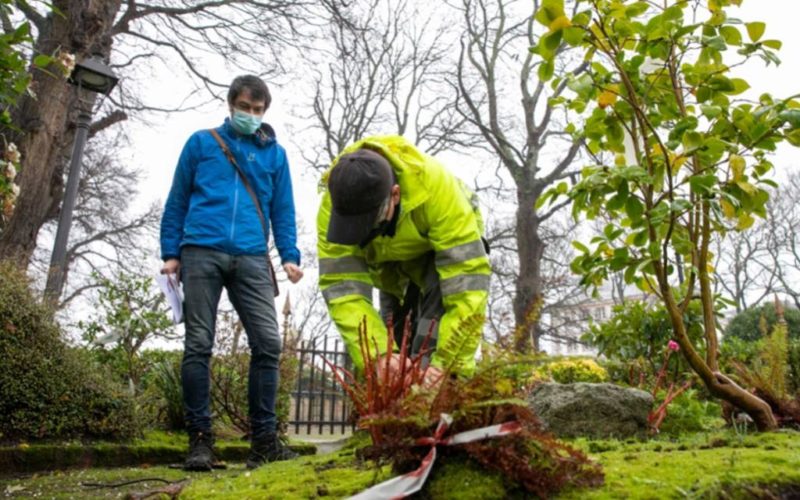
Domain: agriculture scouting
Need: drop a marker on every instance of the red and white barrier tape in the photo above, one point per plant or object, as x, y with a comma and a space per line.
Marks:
407, 484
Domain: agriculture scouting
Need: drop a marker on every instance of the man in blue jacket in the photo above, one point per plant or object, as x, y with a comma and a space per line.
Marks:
212, 237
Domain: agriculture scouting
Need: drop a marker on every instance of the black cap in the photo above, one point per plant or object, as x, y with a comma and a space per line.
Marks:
359, 184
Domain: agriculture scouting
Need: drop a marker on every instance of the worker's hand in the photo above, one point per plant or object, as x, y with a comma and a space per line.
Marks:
395, 367
293, 272
433, 378
172, 266
433, 375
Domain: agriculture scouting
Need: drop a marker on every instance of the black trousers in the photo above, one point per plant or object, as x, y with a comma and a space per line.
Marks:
423, 304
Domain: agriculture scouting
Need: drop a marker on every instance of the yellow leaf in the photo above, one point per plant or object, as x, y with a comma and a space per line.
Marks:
745, 221
737, 164
676, 162
645, 286
728, 209
606, 98
560, 22
747, 187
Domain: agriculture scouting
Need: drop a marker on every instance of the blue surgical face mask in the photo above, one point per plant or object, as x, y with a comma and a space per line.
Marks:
245, 123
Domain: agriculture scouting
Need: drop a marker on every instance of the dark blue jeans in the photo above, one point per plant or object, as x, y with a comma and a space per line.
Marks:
205, 273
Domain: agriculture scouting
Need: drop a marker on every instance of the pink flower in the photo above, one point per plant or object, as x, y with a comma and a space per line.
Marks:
673, 346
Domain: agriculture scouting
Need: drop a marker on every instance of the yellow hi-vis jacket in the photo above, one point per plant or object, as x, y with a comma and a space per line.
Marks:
438, 213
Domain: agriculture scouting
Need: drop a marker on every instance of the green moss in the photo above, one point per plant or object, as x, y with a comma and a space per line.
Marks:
711, 465
69, 485
464, 479
154, 448
695, 468
335, 475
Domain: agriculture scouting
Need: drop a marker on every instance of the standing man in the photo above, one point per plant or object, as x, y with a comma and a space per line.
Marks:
213, 237
395, 219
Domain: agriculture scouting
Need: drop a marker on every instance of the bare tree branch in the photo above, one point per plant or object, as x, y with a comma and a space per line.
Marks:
520, 137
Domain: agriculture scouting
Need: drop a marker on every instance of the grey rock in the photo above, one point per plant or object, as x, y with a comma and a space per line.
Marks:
591, 410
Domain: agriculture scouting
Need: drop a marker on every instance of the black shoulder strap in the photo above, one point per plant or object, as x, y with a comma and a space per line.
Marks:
249, 188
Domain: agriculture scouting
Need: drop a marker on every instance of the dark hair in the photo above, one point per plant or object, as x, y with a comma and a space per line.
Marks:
253, 84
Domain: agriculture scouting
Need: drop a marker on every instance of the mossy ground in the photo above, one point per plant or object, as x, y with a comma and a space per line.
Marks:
155, 448
715, 465
710, 465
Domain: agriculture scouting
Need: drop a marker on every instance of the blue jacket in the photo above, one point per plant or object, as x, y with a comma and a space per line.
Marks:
209, 206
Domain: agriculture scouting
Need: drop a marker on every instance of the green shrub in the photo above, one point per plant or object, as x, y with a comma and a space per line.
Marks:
288, 369
631, 372
747, 325
739, 350
162, 390
736, 352
229, 379
633, 340
568, 371
794, 365
688, 413
48, 390
128, 312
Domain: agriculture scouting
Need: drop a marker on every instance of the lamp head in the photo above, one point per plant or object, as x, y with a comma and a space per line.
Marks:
93, 74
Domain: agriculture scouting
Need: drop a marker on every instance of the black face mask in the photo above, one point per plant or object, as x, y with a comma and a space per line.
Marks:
384, 228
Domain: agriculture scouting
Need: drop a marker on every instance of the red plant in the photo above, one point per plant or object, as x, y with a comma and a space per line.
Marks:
656, 417
385, 390
400, 410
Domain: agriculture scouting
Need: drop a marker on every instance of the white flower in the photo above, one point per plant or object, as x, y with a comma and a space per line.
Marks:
67, 62
11, 170
14, 191
12, 153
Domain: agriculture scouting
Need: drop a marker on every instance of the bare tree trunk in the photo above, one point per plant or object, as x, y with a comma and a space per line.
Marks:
528, 291
517, 136
81, 28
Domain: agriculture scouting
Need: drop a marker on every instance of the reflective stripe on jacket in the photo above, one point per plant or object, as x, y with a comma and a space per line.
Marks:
437, 213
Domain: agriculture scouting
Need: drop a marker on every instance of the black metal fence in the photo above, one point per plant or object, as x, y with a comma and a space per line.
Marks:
319, 403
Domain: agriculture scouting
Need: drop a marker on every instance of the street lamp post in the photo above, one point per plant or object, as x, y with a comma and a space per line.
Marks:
94, 75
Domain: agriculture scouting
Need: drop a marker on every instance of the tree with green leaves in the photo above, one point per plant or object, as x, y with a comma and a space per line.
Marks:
129, 312
679, 154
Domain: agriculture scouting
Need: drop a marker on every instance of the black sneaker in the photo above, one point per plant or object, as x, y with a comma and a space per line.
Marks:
268, 448
201, 452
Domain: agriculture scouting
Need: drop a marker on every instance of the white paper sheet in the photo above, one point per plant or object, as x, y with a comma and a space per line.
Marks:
173, 291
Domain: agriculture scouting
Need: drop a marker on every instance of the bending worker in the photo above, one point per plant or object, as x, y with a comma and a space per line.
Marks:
395, 219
